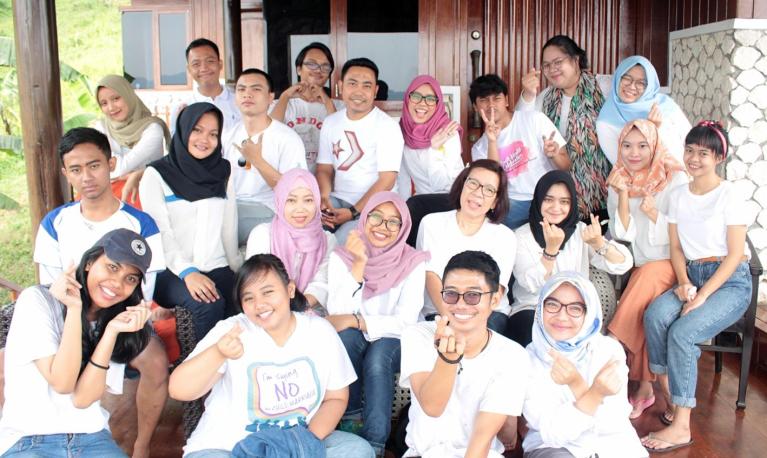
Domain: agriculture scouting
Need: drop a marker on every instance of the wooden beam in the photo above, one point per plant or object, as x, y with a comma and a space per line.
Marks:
232, 40
37, 65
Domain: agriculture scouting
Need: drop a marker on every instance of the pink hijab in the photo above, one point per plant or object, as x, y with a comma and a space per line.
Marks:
386, 267
418, 136
287, 240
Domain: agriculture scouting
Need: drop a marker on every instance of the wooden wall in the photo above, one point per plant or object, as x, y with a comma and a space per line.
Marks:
208, 22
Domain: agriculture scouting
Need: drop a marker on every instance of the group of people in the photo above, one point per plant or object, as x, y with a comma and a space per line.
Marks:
322, 248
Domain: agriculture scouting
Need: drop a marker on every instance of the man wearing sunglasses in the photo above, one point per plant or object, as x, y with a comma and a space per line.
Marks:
465, 379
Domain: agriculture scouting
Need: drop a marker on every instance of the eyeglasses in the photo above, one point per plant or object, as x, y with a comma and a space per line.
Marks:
429, 100
639, 85
314, 66
574, 309
469, 297
391, 225
556, 64
487, 190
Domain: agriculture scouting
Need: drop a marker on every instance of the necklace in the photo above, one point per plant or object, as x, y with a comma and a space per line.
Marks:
487, 342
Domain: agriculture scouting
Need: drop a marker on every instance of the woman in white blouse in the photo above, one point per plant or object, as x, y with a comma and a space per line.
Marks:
376, 290
576, 398
555, 241
638, 201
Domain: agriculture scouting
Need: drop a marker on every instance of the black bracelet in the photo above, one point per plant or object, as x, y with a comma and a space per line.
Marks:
448, 360
99, 365
550, 257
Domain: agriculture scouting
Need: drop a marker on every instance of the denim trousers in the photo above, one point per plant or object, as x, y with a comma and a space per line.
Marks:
338, 444
80, 445
375, 363
519, 213
672, 338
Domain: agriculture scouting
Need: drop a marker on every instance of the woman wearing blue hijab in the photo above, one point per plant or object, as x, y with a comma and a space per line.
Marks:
636, 95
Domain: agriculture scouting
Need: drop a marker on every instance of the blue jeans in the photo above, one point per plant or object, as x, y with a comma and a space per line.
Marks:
337, 445
672, 339
81, 445
375, 363
519, 213
343, 231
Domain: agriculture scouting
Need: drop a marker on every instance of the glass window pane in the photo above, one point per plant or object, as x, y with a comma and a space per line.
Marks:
172, 48
137, 48
397, 69
297, 43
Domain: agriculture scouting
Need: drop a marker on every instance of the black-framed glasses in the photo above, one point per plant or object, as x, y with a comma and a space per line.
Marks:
639, 85
487, 190
574, 309
314, 66
429, 100
470, 297
376, 219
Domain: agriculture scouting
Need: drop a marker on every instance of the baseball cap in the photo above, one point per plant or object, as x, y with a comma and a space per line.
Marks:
126, 247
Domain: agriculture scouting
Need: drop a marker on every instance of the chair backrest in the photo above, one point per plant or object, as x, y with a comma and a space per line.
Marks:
6, 314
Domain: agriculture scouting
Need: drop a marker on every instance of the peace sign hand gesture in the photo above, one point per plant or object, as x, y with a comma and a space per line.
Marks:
550, 147
491, 127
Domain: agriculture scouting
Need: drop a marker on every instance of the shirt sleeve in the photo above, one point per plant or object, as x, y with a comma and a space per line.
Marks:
608, 140
601, 263
533, 105
211, 338
479, 150
318, 285
344, 293
426, 242
528, 269
33, 332
445, 163
148, 148
409, 305
47, 254
389, 147
325, 149
259, 240
418, 352
627, 234
229, 229
545, 129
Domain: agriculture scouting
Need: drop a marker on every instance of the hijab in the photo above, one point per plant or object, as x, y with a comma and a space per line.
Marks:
659, 174
617, 113
576, 348
541, 188
418, 136
128, 132
388, 266
286, 240
190, 178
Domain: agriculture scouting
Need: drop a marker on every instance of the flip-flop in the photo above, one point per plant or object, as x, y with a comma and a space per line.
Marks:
664, 418
639, 406
671, 446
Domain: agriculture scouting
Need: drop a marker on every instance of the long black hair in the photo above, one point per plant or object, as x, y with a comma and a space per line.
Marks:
257, 266
128, 344
568, 46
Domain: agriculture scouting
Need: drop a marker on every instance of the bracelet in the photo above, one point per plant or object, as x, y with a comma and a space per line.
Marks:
99, 365
357, 317
448, 360
550, 257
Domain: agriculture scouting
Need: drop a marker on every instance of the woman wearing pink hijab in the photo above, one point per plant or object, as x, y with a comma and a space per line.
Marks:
295, 236
376, 290
431, 158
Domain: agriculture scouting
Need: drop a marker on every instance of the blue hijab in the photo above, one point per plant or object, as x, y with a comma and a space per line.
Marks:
617, 113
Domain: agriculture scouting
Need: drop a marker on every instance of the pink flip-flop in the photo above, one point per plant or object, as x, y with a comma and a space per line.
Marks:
639, 406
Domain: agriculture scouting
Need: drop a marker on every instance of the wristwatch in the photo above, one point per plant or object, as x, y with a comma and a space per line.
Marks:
355, 213
603, 249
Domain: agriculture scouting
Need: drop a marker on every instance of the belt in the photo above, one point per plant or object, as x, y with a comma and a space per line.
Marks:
744, 258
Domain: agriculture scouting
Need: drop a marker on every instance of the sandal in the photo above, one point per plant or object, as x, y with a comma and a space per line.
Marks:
639, 406
669, 448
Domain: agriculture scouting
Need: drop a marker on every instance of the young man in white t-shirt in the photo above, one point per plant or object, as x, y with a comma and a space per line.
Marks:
465, 379
68, 231
304, 106
260, 150
204, 64
360, 150
526, 144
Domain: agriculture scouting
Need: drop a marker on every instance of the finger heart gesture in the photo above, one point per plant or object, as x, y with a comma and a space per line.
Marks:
447, 343
592, 234
230, 345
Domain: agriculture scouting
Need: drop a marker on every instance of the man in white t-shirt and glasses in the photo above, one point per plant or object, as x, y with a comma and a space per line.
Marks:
360, 150
465, 379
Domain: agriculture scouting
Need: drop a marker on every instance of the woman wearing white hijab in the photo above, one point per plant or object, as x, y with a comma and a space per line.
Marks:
576, 403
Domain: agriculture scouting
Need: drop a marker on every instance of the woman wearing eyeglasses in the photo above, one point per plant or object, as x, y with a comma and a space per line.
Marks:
556, 241
431, 158
304, 105
375, 285
636, 95
479, 197
572, 102
576, 402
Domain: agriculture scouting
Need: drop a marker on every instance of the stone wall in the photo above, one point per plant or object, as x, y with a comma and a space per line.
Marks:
719, 71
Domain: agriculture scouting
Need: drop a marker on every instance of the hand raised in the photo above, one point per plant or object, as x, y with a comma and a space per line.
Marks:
553, 235
66, 289
655, 116
608, 382
550, 147
356, 247
443, 134
648, 205
618, 183
230, 345
252, 152
491, 127
132, 319
592, 234
563, 372
447, 343
531, 83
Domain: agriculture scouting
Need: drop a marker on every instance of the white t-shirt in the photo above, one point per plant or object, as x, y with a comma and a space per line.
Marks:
151, 146
702, 220
65, 235
672, 132
387, 314
440, 235
555, 422
32, 407
575, 255
520, 151
605, 83
269, 384
359, 150
432, 170
224, 102
494, 381
649, 241
306, 119
260, 241
281, 148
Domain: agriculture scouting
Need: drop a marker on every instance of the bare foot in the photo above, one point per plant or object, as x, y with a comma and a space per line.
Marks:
140, 451
666, 438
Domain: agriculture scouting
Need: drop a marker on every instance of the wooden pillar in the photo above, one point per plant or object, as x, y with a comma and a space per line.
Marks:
37, 65
232, 40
